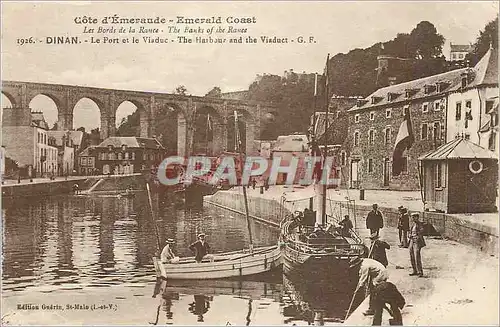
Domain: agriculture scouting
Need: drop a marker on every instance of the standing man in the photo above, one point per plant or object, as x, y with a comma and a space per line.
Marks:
374, 220
200, 247
417, 242
403, 227
377, 249
371, 274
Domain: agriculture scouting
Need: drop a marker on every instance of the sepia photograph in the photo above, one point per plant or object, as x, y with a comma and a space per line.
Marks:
237, 163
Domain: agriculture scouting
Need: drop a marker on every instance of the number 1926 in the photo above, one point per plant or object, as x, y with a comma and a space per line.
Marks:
24, 41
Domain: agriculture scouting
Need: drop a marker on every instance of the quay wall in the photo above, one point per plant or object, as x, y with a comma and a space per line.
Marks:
110, 183
450, 226
41, 188
265, 210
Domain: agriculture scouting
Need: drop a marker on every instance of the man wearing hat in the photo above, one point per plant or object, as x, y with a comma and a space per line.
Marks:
200, 247
403, 227
374, 220
377, 249
167, 255
417, 242
346, 225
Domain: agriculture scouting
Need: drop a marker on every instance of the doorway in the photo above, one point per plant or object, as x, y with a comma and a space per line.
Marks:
354, 174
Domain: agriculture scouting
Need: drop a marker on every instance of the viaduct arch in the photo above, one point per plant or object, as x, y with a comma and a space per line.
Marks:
150, 105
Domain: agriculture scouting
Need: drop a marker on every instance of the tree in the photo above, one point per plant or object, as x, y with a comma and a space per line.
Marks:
181, 89
214, 93
425, 41
486, 37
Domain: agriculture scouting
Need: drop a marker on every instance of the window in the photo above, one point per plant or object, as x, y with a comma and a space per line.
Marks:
144, 156
488, 106
133, 155
425, 107
464, 81
120, 156
460, 56
437, 105
370, 165
356, 138
343, 158
388, 135
458, 111
388, 113
83, 161
438, 175
423, 132
454, 56
371, 137
372, 115
126, 155
437, 131
356, 118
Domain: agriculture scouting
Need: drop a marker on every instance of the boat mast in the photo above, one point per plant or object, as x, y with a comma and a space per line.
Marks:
325, 139
238, 143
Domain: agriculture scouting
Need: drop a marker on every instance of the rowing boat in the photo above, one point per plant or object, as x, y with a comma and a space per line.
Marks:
224, 265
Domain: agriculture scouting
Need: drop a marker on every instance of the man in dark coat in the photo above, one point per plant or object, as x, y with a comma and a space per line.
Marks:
346, 226
200, 247
374, 220
403, 227
387, 293
377, 249
417, 242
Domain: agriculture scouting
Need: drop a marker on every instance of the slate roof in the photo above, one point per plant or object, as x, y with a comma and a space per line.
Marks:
291, 143
484, 73
131, 142
459, 148
461, 47
86, 152
76, 136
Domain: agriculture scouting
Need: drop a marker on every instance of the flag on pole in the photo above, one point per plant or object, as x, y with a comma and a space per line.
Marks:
404, 141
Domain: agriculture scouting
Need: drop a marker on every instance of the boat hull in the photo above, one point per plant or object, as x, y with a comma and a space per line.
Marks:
223, 266
321, 266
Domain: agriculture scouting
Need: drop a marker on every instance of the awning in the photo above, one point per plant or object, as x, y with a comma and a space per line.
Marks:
459, 148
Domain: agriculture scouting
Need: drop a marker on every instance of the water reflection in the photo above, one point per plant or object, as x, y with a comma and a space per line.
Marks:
100, 248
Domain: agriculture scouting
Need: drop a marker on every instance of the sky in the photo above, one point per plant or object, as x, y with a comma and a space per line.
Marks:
336, 26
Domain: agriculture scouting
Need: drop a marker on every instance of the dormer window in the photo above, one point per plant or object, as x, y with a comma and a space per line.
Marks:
124, 147
392, 96
376, 99
361, 102
464, 81
441, 86
410, 92
110, 147
429, 89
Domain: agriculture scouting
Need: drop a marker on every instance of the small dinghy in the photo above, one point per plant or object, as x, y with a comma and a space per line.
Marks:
223, 265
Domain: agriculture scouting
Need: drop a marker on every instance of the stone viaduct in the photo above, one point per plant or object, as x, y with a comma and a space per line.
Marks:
150, 105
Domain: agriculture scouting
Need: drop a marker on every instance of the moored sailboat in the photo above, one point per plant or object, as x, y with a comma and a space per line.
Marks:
311, 243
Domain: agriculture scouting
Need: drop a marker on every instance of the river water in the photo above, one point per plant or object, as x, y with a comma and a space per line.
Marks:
87, 260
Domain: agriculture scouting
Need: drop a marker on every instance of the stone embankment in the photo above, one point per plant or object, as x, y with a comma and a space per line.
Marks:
460, 284
61, 185
477, 230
